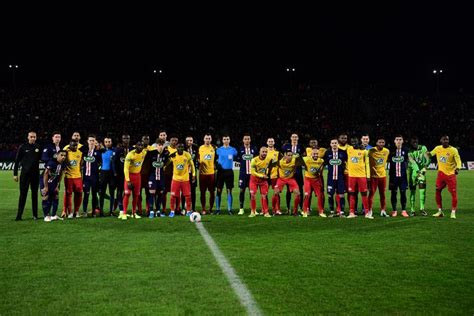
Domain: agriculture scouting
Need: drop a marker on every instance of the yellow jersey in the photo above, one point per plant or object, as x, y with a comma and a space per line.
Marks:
274, 154
358, 163
286, 170
321, 151
182, 164
133, 163
171, 150
259, 167
448, 159
207, 158
313, 167
378, 161
73, 164
79, 145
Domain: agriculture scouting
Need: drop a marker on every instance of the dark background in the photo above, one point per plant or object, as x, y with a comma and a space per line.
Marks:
397, 45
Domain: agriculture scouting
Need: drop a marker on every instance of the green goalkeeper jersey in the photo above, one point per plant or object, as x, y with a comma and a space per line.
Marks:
419, 157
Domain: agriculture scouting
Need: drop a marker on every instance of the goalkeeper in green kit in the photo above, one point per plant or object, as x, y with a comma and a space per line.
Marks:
418, 162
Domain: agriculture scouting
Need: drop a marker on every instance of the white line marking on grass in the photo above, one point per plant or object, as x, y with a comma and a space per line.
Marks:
245, 297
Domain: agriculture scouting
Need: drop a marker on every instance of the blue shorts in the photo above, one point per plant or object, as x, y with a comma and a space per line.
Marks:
90, 182
52, 195
400, 183
154, 184
336, 186
244, 180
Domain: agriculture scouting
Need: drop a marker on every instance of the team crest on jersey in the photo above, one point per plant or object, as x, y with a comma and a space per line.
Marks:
208, 157
443, 159
180, 166
379, 161
398, 159
247, 157
313, 170
122, 159
55, 156
137, 164
335, 162
262, 170
45, 150
157, 164
73, 163
89, 159
355, 159
287, 172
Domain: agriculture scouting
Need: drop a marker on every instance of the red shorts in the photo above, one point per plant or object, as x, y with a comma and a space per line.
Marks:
135, 179
180, 186
378, 183
291, 183
357, 184
256, 183
206, 182
315, 184
274, 182
444, 180
73, 185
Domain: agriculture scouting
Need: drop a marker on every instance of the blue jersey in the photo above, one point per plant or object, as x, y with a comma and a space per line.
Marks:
336, 162
50, 152
55, 170
398, 162
244, 156
225, 157
368, 147
108, 156
158, 160
92, 162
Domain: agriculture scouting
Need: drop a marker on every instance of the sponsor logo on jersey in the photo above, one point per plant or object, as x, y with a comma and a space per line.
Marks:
262, 170
335, 162
379, 161
137, 164
180, 167
287, 172
398, 159
157, 164
247, 157
443, 159
355, 159
313, 170
73, 163
89, 159
208, 157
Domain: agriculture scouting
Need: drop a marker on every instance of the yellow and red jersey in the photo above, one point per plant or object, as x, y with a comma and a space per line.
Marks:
182, 164
274, 154
133, 163
207, 158
313, 167
286, 170
378, 161
448, 159
358, 163
73, 164
259, 167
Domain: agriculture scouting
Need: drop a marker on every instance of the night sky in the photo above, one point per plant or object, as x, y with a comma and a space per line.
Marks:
395, 44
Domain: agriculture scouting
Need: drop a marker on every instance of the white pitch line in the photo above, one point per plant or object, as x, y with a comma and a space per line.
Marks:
245, 297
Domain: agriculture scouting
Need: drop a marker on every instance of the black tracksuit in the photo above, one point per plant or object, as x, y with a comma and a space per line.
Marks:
28, 157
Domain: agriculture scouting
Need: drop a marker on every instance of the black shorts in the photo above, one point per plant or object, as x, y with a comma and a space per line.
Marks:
225, 176
400, 183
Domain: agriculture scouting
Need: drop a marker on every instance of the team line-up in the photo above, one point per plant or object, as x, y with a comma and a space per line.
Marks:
169, 166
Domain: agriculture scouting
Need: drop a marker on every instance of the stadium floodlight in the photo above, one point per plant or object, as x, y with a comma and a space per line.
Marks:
293, 69
435, 71
154, 71
287, 69
441, 71
10, 66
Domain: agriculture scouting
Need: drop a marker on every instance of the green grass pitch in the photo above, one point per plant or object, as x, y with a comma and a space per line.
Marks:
420, 265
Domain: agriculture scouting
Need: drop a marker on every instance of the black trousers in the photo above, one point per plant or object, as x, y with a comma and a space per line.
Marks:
28, 180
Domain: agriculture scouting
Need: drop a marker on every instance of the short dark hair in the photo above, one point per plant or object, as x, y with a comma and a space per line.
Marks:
91, 135
56, 133
62, 151
380, 137
398, 136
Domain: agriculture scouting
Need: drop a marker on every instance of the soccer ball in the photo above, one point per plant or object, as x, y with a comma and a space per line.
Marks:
195, 217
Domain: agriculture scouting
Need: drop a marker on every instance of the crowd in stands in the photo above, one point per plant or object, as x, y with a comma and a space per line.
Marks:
138, 109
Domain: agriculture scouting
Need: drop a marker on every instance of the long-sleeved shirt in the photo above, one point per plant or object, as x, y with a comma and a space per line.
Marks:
28, 157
